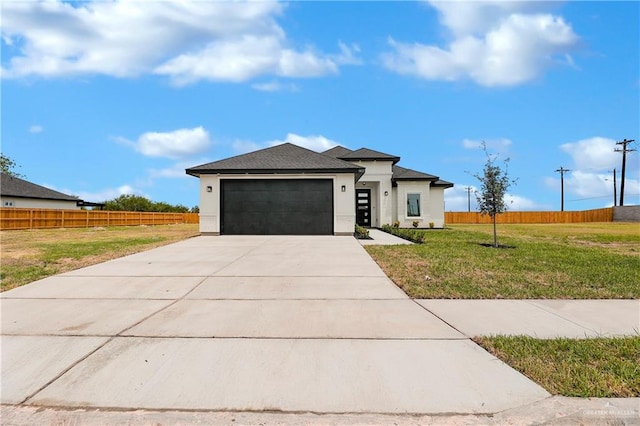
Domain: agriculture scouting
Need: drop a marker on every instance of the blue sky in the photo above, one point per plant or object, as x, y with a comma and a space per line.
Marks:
107, 98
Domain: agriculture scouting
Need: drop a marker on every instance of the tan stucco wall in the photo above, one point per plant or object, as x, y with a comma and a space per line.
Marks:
436, 207
344, 216
35, 203
428, 211
377, 177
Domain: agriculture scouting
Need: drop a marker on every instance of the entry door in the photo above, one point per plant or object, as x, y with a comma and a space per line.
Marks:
363, 207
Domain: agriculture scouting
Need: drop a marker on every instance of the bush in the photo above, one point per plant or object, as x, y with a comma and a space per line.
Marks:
362, 233
413, 235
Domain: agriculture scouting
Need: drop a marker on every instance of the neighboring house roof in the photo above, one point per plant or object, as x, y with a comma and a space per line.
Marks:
285, 159
11, 186
367, 154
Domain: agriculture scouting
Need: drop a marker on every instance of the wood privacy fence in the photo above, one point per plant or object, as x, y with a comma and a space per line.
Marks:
17, 218
597, 215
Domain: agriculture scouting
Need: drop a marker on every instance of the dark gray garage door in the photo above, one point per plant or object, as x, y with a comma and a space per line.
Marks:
277, 206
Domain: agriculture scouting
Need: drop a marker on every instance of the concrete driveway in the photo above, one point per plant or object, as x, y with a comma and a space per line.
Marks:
293, 324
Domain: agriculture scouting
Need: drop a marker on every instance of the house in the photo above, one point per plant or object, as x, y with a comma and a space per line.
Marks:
16, 192
287, 189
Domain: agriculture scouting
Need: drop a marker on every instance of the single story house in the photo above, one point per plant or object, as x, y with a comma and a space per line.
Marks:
290, 190
16, 192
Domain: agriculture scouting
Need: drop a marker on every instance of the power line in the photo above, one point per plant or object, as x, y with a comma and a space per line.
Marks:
562, 171
624, 151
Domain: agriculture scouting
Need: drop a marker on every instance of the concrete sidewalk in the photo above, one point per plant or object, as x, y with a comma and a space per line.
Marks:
544, 319
291, 324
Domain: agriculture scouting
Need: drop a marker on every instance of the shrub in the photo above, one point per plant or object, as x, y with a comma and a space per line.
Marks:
432, 225
362, 233
413, 235
416, 223
396, 224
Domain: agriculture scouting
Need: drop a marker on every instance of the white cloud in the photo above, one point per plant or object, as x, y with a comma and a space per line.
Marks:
493, 43
316, 143
181, 143
500, 144
101, 195
244, 146
275, 86
519, 203
177, 170
186, 41
595, 153
457, 200
36, 129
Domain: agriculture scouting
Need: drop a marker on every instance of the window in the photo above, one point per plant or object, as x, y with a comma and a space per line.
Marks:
413, 205
8, 203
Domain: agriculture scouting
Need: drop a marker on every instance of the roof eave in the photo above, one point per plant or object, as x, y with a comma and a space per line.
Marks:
198, 173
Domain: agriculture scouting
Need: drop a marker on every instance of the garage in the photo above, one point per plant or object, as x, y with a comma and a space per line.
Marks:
280, 190
277, 206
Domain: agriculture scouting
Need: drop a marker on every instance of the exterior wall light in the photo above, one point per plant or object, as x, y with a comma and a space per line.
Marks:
209, 189
386, 193
343, 188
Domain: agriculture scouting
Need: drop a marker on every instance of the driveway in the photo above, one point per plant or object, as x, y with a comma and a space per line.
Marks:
293, 324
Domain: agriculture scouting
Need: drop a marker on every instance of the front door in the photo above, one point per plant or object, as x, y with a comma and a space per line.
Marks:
363, 207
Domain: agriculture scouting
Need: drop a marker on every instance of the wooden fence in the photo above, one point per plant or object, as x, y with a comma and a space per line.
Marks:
17, 218
597, 215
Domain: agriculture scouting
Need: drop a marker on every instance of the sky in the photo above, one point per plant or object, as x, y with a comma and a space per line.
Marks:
100, 99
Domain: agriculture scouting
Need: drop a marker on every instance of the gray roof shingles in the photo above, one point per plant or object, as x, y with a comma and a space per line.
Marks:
368, 154
290, 158
284, 158
11, 186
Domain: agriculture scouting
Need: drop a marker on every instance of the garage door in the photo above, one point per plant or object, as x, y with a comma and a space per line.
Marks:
277, 206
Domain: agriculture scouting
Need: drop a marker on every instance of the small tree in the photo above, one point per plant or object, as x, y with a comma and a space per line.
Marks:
7, 165
494, 182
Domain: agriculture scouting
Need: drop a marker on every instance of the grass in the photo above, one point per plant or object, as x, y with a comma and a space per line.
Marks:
602, 367
30, 255
551, 261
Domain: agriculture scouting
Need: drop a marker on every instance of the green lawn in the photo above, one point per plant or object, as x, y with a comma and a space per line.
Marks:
30, 255
558, 261
603, 367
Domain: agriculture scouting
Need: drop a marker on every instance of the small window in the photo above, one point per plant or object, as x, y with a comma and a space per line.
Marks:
413, 205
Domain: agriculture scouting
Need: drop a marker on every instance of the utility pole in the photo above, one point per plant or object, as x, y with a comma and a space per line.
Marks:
468, 188
562, 171
615, 195
624, 151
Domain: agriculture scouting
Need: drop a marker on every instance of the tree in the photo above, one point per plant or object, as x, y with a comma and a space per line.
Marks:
7, 165
137, 203
494, 182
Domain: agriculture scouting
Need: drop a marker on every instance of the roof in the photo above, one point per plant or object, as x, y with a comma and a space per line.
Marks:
368, 154
400, 173
286, 158
337, 151
442, 184
11, 186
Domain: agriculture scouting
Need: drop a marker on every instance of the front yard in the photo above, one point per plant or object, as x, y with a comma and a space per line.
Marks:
559, 261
